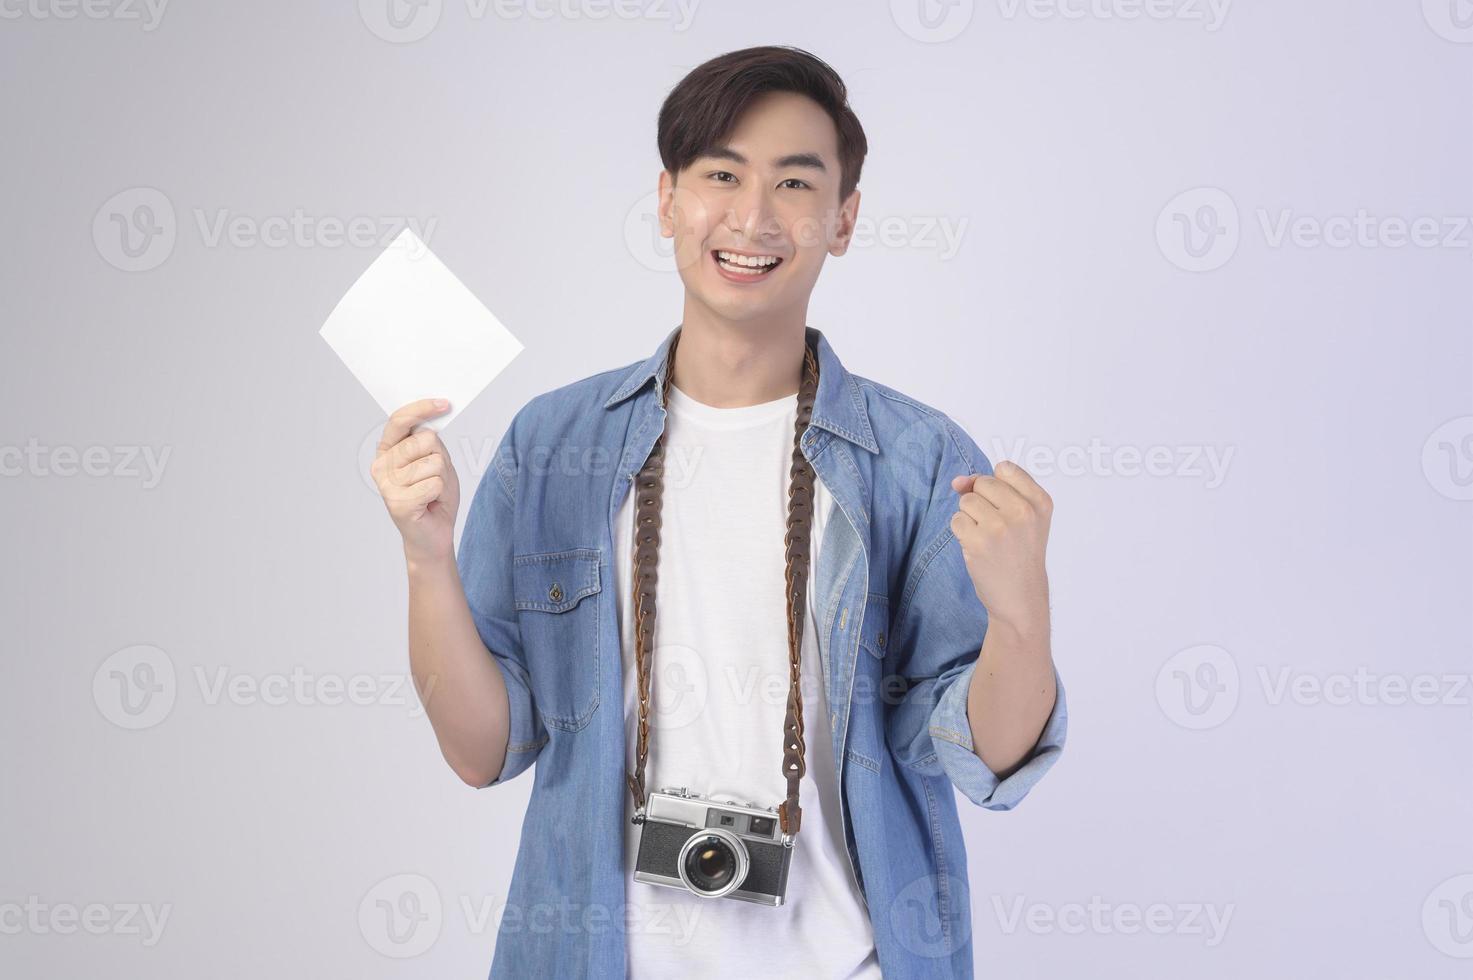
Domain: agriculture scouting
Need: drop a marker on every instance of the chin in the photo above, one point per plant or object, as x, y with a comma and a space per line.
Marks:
738, 312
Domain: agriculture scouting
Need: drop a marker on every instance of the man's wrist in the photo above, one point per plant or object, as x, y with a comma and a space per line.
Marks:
423, 565
1027, 631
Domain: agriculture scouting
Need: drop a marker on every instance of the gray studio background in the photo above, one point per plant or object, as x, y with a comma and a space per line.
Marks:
1204, 269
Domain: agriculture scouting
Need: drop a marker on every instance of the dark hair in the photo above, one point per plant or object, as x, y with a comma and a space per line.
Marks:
702, 109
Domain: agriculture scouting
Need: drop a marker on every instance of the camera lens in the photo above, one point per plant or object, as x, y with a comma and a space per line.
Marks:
712, 863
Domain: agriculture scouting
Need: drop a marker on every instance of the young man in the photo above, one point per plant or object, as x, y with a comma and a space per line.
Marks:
782, 510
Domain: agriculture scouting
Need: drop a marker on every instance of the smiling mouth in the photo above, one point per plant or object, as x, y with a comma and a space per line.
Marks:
745, 268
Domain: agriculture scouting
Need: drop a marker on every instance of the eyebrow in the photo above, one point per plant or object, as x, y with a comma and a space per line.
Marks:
811, 160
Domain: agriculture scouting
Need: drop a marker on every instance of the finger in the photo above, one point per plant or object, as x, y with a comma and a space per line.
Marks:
420, 494
968, 529
962, 524
978, 508
967, 483
405, 418
386, 466
1022, 481
420, 444
420, 469
999, 494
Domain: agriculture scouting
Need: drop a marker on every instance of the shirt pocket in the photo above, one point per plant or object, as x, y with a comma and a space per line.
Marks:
555, 595
870, 692
873, 632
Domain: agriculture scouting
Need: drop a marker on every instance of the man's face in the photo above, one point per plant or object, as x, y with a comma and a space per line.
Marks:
754, 218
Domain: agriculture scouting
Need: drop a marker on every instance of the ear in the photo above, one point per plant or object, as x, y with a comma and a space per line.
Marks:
844, 226
666, 208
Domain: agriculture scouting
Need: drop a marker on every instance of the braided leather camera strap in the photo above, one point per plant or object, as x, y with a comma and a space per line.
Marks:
649, 486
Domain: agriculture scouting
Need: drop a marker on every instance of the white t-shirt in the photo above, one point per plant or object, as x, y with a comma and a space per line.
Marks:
719, 689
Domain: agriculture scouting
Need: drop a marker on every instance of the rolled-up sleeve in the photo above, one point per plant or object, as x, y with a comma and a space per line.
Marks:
939, 629
952, 736
485, 563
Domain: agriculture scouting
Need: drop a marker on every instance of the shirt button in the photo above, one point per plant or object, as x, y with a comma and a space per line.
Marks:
555, 593
880, 641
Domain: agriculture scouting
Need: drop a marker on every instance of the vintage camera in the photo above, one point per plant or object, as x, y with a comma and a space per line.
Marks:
714, 848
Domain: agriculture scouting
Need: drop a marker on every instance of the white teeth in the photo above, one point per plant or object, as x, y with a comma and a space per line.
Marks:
747, 261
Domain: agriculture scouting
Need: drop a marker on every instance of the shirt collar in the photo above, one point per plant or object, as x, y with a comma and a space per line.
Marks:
838, 406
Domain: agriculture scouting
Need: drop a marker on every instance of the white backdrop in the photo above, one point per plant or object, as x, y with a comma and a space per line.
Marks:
1202, 267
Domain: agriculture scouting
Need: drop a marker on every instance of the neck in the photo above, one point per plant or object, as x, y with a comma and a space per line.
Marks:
733, 365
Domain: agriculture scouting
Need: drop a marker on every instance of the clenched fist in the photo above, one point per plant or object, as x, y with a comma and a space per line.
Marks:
413, 473
1002, 523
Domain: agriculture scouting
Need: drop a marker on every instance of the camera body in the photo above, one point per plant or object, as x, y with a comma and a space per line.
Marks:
713, 848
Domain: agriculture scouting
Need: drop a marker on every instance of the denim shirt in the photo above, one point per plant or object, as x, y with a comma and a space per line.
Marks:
899, 627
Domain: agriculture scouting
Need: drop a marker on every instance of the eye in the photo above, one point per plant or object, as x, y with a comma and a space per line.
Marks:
802, 184
719, 174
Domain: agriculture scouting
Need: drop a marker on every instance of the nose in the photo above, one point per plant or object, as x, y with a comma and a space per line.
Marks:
752, 215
